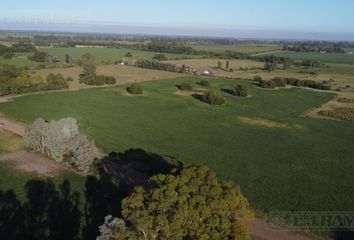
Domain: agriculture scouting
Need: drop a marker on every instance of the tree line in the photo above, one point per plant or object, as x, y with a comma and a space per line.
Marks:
14, 80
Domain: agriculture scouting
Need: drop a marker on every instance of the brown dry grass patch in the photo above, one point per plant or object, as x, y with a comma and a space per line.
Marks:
123, 74
264, 122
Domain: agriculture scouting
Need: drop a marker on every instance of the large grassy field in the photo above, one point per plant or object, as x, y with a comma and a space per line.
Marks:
108, 54
322, 57
101, 54
282, 159
242, 48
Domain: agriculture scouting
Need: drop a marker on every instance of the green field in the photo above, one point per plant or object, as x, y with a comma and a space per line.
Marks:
108, 54
322, 57
242, 48
306, 166
101, 54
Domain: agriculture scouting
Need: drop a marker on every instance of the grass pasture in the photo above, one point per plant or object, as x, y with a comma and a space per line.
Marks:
299, 163
123, 74
322, 57
108, 54
241, 48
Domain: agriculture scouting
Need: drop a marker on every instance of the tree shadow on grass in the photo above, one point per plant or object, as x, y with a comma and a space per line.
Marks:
47, 213
343, 234
227, 91
198, 97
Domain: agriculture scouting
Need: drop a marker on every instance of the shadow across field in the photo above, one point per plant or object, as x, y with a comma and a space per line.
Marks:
57, 212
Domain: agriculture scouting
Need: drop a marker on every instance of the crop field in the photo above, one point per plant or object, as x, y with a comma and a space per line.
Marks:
241, 48
322, 57
281, 159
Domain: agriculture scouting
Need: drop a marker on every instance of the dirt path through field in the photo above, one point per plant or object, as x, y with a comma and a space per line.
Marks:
12, 126
30, 162
265, 231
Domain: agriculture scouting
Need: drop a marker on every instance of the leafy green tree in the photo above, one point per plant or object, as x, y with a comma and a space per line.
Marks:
270, 66
88, 65
56, 81
135, 88
160, 57
190, 203
219, 64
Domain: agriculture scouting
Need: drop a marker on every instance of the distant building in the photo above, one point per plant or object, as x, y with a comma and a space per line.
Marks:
207, 73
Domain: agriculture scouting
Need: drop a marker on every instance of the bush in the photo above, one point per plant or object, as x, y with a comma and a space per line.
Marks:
97, 80
160, 57
257, 78
339, 113
213, 97
39, 57
135, 89
69, 79
129, 54
185, 86
204, 83
267, 84
56, 81
62, 141
240, 91
279, 82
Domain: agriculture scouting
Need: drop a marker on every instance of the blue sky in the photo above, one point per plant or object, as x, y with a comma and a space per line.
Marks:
211, 17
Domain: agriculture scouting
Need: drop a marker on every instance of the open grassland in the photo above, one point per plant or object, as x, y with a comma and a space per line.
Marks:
10, 142
102, 55
123, 74
241, 48
322, 57
282, 159
342, 74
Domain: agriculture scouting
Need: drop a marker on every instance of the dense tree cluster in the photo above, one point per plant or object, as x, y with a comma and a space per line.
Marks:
310, 63
88, 75
156, 65
343, 113
56, 81
213, 97
282, 82
62, 141
314, 47
160, 57
97, 80
204, 83
189, 203
15, 80
23, 47
135, 88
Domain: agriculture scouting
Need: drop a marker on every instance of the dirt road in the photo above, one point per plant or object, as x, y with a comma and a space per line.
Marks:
12, 126
265, 231
29, 162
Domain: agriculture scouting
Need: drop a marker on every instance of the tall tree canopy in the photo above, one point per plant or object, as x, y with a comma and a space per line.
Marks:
187, 204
